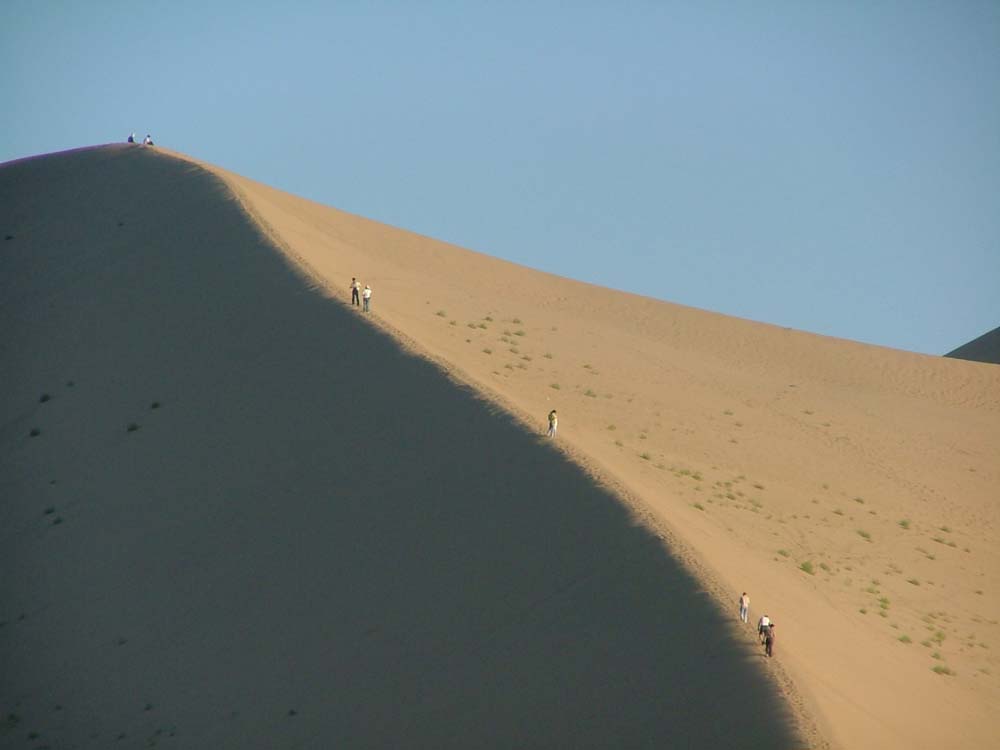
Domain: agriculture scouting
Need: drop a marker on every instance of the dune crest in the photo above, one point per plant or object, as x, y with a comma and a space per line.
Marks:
849, 488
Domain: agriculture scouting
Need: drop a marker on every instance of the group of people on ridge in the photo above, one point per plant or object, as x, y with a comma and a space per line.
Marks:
765, 628
358, 294
147, 141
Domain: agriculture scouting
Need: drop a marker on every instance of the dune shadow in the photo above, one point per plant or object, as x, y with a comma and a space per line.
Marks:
316, 539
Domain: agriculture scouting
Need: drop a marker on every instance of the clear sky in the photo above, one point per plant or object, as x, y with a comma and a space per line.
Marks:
828, 166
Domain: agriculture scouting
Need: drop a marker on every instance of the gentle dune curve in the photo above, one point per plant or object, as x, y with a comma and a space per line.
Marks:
237, 515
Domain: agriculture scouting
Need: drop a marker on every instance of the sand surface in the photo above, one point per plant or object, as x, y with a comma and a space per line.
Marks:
755, 451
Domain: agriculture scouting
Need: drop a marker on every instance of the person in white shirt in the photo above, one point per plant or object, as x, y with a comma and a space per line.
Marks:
147, 141
366, 295
553, 423
763, 625
744, 607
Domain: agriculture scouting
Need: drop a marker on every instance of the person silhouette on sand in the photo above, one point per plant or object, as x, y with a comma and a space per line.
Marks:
553, 423
355, 291
769, 640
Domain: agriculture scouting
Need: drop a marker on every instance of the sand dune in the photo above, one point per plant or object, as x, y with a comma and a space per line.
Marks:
849, 488
238, 516
985, 348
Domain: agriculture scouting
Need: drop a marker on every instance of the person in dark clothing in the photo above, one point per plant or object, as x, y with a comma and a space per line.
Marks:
769, 640
355, 291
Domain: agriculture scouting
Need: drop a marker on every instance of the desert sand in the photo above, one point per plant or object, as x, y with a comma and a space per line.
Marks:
243, 510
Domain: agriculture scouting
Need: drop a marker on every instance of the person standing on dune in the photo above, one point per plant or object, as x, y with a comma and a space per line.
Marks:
366, 295
744, 607
355, 291
769, 641
553, 423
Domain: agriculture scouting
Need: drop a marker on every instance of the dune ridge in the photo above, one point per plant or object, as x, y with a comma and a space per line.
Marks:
848, 488
759, 450
238, 516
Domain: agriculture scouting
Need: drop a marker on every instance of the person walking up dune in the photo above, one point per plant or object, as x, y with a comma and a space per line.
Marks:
769, 640
744, 607
355, 291
762, 624
366, 295
553, 423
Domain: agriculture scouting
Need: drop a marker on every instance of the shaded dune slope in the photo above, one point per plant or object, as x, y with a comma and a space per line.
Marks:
985, 348
309, 538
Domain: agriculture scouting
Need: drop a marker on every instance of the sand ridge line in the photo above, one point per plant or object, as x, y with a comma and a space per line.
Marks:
671, 542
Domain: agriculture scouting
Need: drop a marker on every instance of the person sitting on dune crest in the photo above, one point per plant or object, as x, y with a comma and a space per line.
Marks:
147, 141
131, 138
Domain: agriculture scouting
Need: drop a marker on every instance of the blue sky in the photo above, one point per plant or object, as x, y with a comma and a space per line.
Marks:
827, 166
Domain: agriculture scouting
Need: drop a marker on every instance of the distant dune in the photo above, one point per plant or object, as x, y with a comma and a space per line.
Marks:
245, 514
985, 348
